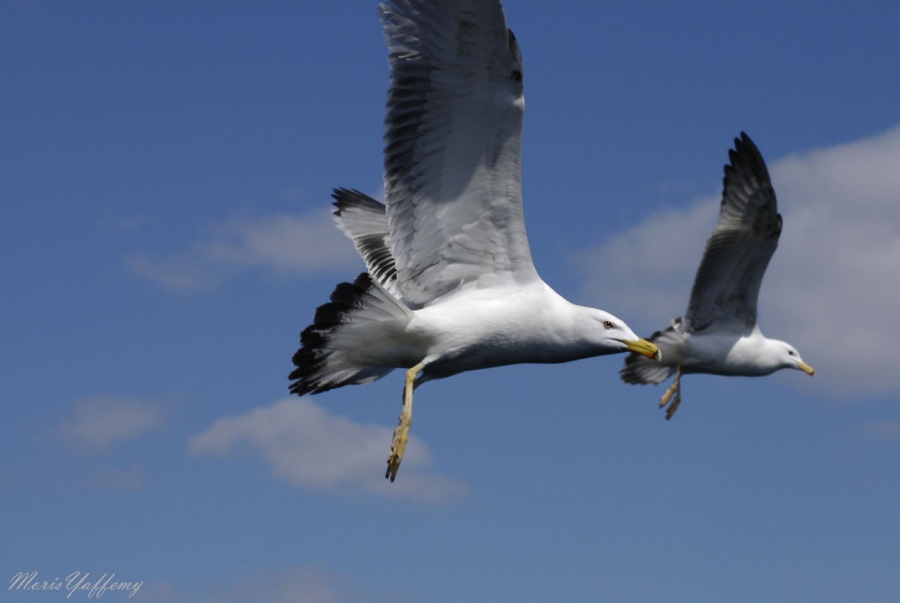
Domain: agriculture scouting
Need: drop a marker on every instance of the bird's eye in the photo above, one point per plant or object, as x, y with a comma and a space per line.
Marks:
791, 353
607, 324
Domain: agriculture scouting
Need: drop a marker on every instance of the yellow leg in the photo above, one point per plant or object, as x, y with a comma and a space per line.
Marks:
401, 432
674, 389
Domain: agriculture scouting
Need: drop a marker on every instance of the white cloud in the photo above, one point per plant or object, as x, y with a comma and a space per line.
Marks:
645, 272
833, 287
309, 447
282, 244
99, 422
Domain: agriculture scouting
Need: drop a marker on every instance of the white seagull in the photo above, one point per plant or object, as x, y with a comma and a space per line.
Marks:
719, 334
450, 286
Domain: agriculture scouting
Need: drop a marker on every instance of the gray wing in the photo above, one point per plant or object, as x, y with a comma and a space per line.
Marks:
364, 221
452, 142
737, 253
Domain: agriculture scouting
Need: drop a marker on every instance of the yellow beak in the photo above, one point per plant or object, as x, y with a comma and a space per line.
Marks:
806, 368
644, 347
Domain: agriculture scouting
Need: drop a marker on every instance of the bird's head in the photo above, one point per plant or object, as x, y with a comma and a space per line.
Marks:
790, 358
612, 333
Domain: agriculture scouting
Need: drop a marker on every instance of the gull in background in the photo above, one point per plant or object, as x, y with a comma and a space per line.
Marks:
450, 286
719, 333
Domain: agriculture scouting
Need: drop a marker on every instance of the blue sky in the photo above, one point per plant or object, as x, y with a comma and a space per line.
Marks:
164, 237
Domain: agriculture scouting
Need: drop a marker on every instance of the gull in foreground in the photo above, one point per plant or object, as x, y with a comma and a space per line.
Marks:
450, 286
718, 334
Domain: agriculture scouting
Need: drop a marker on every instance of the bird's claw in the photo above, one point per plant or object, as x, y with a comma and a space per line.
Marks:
670, 412
673, 394
398, 447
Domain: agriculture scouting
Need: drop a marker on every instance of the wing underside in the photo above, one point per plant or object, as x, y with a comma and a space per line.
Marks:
452, 142
726, 287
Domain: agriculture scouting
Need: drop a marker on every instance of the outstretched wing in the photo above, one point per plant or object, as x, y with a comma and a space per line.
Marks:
452, 142
737, 253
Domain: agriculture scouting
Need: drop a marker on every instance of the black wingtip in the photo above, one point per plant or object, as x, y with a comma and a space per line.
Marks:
345, 198
746, 158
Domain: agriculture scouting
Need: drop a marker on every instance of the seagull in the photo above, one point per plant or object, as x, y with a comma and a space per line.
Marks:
450, 283
719, 333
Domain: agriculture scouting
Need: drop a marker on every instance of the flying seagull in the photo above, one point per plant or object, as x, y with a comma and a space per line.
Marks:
450, 286
719, 334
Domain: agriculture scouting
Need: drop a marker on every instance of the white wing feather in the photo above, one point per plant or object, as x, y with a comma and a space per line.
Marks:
452, 145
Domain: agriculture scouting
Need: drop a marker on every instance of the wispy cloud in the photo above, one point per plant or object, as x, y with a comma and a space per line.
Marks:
281, 244
132, 478
123, 222
832, 287
98, 422
299, 584
886, 430
309, 447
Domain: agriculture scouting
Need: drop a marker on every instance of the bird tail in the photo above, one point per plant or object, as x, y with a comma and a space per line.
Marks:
639, 369
333, 347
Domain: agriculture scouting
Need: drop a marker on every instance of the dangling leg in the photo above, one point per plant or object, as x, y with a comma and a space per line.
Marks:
674, 389
401, 432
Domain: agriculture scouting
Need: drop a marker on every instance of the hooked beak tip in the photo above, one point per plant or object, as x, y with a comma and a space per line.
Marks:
645, 348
